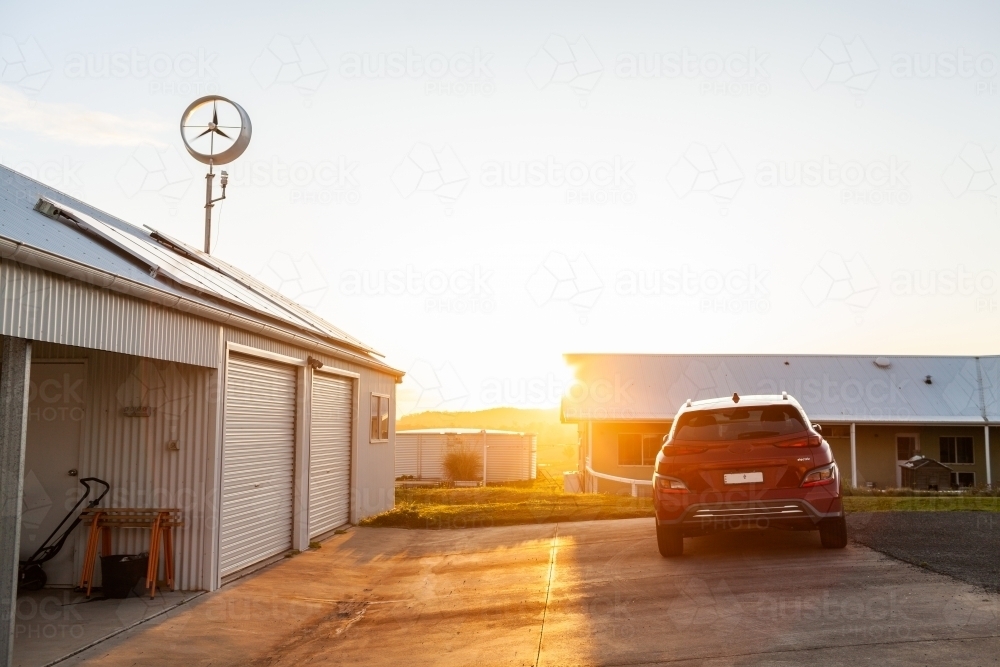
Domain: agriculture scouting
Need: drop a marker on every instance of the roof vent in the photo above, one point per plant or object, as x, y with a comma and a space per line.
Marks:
736, 397
882, 362
927, 380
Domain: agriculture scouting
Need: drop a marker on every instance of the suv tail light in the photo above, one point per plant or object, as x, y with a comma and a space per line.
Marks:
811, 440
666, 484
820, 476
681, 450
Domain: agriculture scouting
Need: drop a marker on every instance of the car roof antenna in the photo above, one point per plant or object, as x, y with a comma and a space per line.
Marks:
736, 397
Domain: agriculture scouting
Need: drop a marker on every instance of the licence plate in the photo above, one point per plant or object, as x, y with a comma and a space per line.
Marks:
743, 478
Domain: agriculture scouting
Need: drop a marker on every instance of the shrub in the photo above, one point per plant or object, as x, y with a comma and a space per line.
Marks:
463, 465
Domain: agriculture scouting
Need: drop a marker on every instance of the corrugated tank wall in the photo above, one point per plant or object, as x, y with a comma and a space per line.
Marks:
533, 459
407, 459
432, 449
374, 486
131, 453
509, 457
45, 307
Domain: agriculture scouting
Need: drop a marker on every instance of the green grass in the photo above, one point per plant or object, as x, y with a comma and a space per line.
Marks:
545, 502
923, 503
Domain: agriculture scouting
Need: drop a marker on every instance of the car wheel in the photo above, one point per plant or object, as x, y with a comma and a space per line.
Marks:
670, 540
833, 533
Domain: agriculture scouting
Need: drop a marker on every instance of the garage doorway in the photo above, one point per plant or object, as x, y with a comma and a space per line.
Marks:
258, 462
330, 445
56, 412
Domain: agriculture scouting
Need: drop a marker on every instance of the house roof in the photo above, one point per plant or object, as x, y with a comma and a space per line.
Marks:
830, 388
88, 236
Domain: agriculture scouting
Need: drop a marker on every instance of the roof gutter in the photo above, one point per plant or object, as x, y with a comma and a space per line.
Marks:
23, 253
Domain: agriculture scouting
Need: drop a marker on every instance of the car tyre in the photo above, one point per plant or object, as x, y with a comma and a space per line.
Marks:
833, 533
670, 541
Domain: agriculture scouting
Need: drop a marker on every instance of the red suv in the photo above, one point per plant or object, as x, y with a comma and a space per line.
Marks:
745, 462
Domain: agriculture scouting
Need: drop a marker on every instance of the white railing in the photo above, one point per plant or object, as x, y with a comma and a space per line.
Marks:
623, 480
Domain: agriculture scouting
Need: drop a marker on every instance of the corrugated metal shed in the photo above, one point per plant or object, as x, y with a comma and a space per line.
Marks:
510, 455
831, 388
159, 339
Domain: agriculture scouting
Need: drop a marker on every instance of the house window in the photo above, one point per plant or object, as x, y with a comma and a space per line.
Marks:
379, 418
963, 480
956, 449
637, 449
837, 431
906, 447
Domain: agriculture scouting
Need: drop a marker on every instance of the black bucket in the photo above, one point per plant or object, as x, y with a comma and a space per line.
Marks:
120, 573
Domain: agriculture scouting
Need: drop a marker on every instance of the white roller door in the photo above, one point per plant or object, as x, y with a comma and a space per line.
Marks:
258, 462
330, 453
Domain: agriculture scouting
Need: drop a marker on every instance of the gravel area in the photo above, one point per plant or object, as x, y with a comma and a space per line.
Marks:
963, 545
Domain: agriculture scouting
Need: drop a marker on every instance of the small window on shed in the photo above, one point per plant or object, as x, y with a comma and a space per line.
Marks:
379, 423
383, 417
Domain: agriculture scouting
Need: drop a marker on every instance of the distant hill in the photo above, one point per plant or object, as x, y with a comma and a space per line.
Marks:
557, 442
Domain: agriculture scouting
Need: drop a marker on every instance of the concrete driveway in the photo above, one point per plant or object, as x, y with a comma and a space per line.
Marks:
592, 593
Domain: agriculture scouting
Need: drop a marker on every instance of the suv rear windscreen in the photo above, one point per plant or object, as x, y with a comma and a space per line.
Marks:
763, 421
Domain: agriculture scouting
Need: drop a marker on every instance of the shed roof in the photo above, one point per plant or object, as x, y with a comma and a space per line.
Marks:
831, 388
93, 238
922, 462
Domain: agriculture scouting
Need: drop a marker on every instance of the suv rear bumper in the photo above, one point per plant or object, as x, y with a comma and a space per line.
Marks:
791, 513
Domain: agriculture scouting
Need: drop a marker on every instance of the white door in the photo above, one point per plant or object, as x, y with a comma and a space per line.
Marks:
258, 462
56, 398
330, 453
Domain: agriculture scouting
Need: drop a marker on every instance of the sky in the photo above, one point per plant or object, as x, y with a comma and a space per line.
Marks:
476, 189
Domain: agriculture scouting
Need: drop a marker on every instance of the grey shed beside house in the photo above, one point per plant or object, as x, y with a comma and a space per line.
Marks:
506, 456
925, 474
184, 382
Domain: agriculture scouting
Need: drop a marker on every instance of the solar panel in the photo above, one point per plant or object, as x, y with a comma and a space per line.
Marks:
250, 283
184, 271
